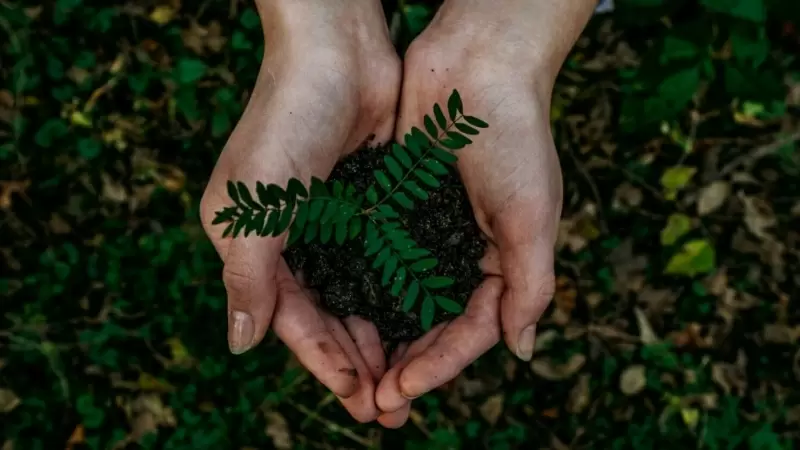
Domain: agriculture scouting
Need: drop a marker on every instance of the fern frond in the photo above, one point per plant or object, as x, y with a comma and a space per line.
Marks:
403, 266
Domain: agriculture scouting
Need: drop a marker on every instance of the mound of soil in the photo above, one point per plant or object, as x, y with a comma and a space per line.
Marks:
344, 279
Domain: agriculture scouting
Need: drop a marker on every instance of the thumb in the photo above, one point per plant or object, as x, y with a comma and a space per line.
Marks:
249, 275
526, 242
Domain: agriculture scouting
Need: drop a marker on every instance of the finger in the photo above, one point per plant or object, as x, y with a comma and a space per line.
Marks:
388, 396
395, 419
527, 245
300, 326
366, 338
249, 279
465, 339
360, 405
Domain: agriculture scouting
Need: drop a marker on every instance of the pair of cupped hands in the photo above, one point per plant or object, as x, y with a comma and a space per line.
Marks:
330, 80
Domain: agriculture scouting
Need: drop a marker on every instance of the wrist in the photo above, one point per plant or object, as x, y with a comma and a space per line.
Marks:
533, 37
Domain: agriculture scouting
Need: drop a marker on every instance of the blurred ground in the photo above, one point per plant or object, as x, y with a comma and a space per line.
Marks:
675, 324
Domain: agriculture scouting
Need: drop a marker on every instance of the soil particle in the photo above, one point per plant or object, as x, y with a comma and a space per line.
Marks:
443, 224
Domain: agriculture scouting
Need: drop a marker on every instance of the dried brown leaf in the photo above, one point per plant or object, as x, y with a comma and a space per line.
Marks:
278, 429
8, 401
633, 379
712, 197
646, 333
492, 408
546, 368
579, 395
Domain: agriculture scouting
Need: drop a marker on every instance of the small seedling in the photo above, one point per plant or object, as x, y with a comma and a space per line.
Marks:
336, 211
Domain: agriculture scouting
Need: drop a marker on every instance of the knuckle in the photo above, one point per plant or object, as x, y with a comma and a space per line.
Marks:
238, 279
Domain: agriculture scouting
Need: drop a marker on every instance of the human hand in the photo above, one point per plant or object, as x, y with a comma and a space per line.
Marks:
323, 90
504, 68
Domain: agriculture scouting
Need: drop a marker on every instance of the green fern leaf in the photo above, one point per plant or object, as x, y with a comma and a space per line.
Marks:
225, 215
258, 222
444, 156
411, 254
403, 200
372, 232
459, 138
427, 312
383, 255
434, 166
454, 105
424, 264
387, 212
355, 227
272, 222
341, 232
427, 178
388, 270
466, 129
295, 233
437, 282
325, 232
372, 195
402, 155
338, 189
475, 122
267, 195
249, 225
414, 188
330, 210
312, 228
247, 199
373, 247
383, 180
394, 167
284, 221
402, 244
448, 305
413, 145
301, 215
295, 188
430, 127
440, 119
233, 193
241, 222
228, 230
411, 296
346, 212
318, 188
399, 279
315, 209
418, 136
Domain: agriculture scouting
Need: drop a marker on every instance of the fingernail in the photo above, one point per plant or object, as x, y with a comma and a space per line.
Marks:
408, 397
240, 332
525, 343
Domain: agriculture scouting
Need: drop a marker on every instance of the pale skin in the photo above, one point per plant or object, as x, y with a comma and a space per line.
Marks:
330, 80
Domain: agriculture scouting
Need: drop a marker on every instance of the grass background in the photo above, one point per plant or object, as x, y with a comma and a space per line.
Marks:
675, 323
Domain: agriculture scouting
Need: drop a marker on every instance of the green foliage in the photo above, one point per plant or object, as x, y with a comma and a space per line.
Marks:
335, 212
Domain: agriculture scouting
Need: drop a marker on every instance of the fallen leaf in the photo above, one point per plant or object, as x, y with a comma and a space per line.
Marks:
677, 226
712, 197
162, 14
579, 395
676, 178
492, 408
8, 401
633, 379
80, 119
180, 354
758, 216
544, 340
646, 333
690, 417
77, 437
113, 190
695, 257
546, 368
7, 188
278, 429
149, 382
781, 334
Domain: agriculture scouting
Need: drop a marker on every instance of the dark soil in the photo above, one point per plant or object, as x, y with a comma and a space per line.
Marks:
444, 224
